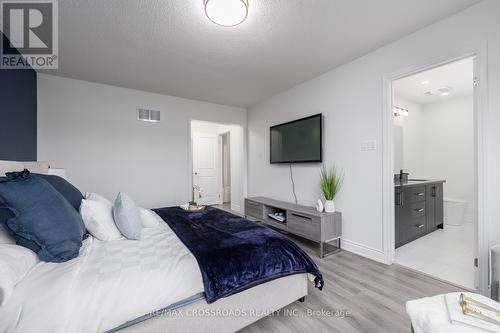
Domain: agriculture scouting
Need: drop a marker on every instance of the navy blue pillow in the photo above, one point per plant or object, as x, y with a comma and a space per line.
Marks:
5, 214
42, 216
68, 191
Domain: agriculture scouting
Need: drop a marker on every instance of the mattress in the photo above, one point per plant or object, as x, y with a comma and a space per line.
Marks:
106, 286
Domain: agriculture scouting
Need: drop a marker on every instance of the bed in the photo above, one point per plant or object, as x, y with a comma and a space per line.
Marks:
156, 284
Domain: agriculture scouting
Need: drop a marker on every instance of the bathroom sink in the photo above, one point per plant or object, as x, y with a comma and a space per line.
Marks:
412, 182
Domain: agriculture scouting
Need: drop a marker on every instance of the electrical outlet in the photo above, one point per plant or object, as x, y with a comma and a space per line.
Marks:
368, 145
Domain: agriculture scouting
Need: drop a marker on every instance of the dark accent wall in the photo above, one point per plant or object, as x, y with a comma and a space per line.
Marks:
18, 118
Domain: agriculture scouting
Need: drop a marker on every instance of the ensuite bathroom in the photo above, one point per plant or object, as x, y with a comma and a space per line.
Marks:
434, 172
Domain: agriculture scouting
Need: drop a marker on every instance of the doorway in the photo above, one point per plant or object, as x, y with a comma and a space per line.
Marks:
225, 146
434, 155
479, 209
217, 155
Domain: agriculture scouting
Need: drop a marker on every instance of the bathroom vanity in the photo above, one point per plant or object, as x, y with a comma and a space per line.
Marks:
419, 209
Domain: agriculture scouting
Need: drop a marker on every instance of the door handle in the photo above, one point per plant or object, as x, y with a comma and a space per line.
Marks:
302, 216
419, 225
434, 191
419, 210
419, 194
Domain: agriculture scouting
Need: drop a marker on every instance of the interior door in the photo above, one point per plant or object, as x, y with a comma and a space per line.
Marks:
206, 169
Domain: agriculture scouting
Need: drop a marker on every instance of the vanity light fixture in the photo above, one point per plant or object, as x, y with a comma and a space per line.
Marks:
398, 112
226, 13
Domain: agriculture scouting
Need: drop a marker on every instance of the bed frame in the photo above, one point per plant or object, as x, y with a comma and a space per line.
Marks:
238, 311
35, 167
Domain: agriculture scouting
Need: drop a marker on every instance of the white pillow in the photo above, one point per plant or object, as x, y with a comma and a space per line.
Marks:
5, 237
97, 197
149, 219
98, 219
15, 262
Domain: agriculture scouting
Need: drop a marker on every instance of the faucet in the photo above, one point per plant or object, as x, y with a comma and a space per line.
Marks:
403, 176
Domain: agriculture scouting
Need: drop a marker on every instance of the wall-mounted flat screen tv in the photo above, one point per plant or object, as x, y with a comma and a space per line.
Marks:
298, 141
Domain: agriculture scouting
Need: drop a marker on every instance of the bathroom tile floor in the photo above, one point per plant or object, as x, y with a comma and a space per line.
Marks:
447, 254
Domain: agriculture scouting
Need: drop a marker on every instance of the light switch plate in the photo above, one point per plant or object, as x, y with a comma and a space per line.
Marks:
368, 145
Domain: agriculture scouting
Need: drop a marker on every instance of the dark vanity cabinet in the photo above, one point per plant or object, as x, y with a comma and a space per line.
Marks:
435, 206
419, 210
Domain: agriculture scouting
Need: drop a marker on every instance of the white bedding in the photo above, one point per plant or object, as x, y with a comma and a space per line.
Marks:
109, 284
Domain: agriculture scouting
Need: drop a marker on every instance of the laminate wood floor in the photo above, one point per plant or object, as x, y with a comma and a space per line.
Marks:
373, 294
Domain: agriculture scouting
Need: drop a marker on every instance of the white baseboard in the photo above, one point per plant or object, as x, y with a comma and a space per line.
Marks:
362, 250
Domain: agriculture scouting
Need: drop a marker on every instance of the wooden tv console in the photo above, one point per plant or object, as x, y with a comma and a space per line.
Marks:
302, 221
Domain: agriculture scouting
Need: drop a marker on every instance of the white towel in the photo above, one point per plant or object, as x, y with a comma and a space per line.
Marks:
457, 316
429, 315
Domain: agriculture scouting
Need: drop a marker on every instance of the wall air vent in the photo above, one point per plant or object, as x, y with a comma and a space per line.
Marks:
148, 115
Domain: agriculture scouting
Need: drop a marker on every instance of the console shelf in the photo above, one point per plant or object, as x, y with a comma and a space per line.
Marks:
303, 221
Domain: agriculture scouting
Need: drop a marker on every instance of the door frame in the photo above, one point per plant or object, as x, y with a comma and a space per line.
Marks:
481, 211
221, 161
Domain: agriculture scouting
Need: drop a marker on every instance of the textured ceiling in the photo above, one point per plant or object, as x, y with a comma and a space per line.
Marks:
170, 47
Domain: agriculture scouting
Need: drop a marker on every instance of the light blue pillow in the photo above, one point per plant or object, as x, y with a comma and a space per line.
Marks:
127, 216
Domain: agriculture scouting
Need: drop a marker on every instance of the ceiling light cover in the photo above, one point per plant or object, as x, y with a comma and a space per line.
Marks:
226, 13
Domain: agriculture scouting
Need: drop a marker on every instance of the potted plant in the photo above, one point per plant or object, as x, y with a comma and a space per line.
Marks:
331, 181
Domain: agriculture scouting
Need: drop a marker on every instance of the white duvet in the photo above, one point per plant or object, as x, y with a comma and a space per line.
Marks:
109, 284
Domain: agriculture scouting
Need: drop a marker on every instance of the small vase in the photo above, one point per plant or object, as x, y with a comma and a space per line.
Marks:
329, 206
319, 206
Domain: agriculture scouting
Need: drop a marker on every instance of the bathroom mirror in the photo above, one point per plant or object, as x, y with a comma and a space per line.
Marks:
398, 149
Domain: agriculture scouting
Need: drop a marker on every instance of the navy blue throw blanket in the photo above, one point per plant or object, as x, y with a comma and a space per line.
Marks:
235, 254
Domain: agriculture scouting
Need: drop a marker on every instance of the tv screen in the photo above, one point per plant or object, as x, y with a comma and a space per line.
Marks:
298, 141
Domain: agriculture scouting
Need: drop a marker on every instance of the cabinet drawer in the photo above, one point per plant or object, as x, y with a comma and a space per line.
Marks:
418, 210
417, 194
304, 225
254, 209
417, 227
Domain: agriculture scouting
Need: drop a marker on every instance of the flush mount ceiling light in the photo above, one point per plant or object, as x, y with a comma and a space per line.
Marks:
226, 13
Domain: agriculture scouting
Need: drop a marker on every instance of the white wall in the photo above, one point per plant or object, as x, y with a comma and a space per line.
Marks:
91, 130
237, 158
448, 136
351, 99
413, 145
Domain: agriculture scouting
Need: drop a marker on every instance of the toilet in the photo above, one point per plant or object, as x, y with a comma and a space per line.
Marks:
454, 211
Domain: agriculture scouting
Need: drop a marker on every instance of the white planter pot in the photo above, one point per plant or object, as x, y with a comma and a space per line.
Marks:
329, 206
